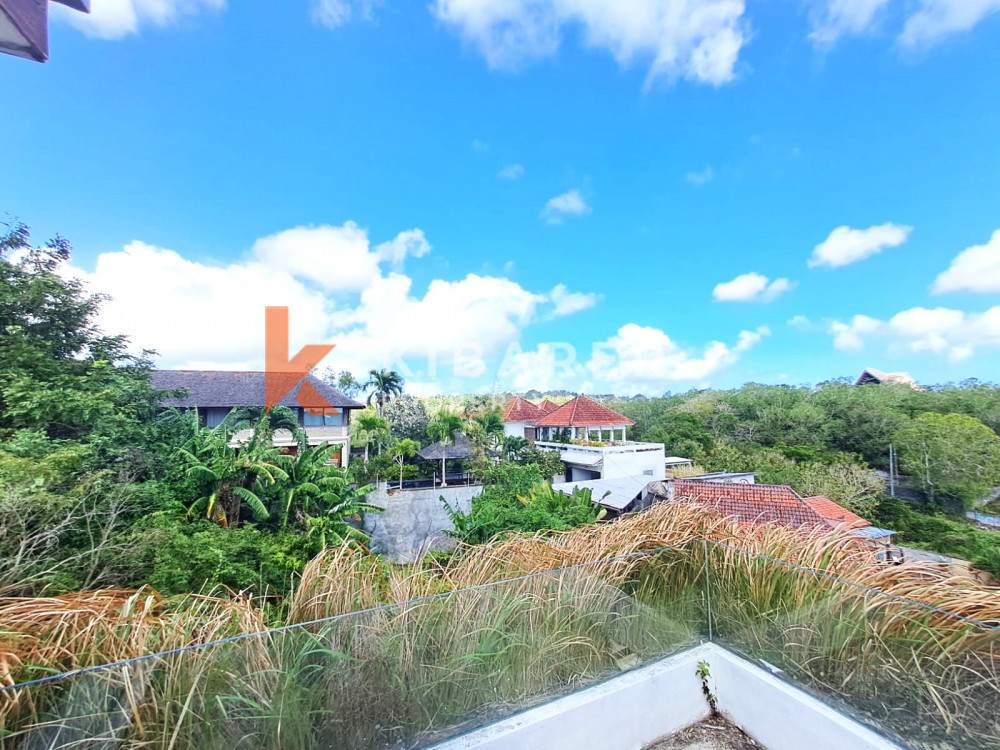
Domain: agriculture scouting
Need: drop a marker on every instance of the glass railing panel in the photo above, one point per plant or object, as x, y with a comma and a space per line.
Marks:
403, 675
919, 674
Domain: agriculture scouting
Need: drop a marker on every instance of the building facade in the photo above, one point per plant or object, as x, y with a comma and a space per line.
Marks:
323, 412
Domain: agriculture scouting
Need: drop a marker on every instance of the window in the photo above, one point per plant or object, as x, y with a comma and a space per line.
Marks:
323, 417
214, 415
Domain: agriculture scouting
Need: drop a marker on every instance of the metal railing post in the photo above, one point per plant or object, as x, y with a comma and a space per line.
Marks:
708, 591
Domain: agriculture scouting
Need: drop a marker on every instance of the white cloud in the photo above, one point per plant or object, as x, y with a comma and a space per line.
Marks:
334, 13
751, 287
800, 322
566, 302
700, 178
480, 147
845, 245
640, 358
339, 259
570, 203
951, 333
976, 269
200, 315
512, 172
476, 317
549, 367
409, 244
211, 316
836, 18
116, 19
936, 19
699, 40
636, 359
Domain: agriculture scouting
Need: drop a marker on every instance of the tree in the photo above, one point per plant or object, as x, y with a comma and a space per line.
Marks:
518, 499
950, 455
407, 417
319, 496
384, 385
442, 429
371, 429
402, 450
343, 381
513, 447
226, 477
59, 374
492, 427
263, 422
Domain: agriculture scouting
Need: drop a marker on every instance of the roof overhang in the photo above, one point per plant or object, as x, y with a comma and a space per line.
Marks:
580, 458
24, 26
616, 494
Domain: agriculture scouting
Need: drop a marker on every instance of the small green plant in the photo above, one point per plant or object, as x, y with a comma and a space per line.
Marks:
704, 673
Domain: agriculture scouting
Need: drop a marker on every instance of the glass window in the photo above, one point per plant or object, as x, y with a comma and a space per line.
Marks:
215, 415
327, 417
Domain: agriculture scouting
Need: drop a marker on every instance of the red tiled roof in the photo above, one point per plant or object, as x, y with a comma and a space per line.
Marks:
518, 410
547, 407
583, 412
835, 513
767, 503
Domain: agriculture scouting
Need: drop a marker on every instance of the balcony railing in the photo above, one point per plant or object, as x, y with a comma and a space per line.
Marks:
412, 673
327, 432
619, 447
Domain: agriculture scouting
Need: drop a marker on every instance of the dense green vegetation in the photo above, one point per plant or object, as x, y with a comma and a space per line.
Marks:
100, 486
828, 440
945, 436
518, 498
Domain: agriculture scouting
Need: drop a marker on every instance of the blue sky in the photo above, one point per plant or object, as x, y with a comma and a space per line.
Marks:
496, 182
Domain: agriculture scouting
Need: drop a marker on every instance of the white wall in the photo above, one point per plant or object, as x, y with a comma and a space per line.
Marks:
638, 707
623, 713
645, 463
515, 429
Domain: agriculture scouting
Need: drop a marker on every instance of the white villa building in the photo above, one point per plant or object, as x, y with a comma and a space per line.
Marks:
591, 439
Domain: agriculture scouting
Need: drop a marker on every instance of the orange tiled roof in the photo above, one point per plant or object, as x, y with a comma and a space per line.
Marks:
547, 407
768, 503
519, 410
835, 513
583, 412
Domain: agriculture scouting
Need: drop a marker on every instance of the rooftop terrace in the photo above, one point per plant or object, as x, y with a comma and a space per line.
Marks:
496, 642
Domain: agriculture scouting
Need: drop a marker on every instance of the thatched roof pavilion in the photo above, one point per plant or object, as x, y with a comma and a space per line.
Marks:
460, 448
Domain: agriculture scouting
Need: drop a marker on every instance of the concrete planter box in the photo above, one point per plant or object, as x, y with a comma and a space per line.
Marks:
630, 711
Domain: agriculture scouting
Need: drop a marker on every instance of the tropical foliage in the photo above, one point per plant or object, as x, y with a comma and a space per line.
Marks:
517, 498
384, 385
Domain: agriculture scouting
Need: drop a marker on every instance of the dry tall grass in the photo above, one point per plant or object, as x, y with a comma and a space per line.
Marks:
415, 664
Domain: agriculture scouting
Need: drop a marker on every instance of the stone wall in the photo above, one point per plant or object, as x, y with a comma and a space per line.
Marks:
414, 521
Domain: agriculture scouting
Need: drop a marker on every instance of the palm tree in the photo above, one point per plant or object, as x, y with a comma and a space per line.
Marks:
402, 450
513, 447
443, 428
385, 385
372, 428
263, 422
492, 426
229, 477
318, 490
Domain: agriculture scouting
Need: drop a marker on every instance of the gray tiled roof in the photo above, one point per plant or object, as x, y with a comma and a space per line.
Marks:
237, 388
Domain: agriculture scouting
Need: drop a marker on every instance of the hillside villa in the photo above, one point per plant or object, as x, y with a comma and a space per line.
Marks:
322, 411
590, 439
